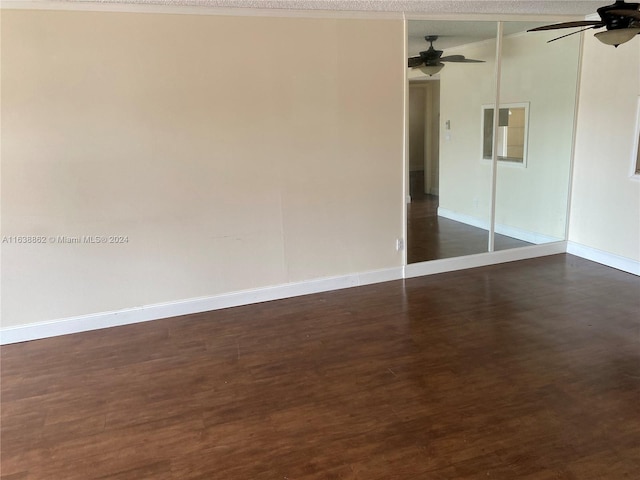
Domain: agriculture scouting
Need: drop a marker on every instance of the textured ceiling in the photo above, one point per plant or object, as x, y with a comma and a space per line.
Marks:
454, 33
516, 7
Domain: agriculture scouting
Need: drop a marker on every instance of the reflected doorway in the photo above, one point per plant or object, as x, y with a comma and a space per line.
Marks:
424, 137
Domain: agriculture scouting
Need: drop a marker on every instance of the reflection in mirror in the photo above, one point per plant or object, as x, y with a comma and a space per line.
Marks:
441, 139
450, 213
450, 209
531, 203
511, 140
636, 164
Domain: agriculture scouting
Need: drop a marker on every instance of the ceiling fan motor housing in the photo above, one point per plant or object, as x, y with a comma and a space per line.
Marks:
431, 57
615, 21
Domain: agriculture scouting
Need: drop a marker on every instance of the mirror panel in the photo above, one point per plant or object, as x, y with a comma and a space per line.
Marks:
532, 193
450, 207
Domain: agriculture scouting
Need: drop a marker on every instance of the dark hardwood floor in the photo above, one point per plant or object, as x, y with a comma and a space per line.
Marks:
527, 370
430, 237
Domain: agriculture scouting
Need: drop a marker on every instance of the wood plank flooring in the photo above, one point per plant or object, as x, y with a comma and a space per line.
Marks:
528, 370
430, 237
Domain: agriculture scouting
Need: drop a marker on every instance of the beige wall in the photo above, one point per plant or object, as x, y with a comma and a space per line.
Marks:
605, 208
233, 153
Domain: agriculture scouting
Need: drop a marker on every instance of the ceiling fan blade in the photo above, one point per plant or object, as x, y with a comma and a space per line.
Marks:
415, 62
453, 58
626, 13
581, 23
569, 34
459, 59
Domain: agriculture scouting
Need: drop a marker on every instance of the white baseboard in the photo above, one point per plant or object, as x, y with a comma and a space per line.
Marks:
525, 235
462, 218
84, 323
483, 259
513, 232
605, 258
147, 313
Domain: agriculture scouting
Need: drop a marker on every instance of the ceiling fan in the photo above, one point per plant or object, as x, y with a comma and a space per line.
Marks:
621, 19
430, 61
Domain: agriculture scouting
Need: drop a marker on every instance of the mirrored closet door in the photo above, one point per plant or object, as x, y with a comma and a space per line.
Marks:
449, 209
538, 86
464, 198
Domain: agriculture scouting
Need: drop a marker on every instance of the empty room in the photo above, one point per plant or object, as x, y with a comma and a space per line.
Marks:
320, 240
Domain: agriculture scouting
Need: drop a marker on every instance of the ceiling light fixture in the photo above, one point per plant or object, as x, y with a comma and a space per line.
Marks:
618, 36
431, 69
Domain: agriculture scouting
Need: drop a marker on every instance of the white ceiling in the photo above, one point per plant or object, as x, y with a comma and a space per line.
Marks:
453, 33
516, 7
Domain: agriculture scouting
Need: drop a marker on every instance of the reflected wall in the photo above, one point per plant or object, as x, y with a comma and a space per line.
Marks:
465, 180
532, 197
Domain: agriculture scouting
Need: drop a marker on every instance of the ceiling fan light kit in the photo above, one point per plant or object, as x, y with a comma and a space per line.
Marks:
431, 69
430, 61
621, 19
617, 37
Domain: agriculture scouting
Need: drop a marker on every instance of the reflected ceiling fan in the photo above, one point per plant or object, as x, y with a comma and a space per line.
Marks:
621, 19
430, 61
